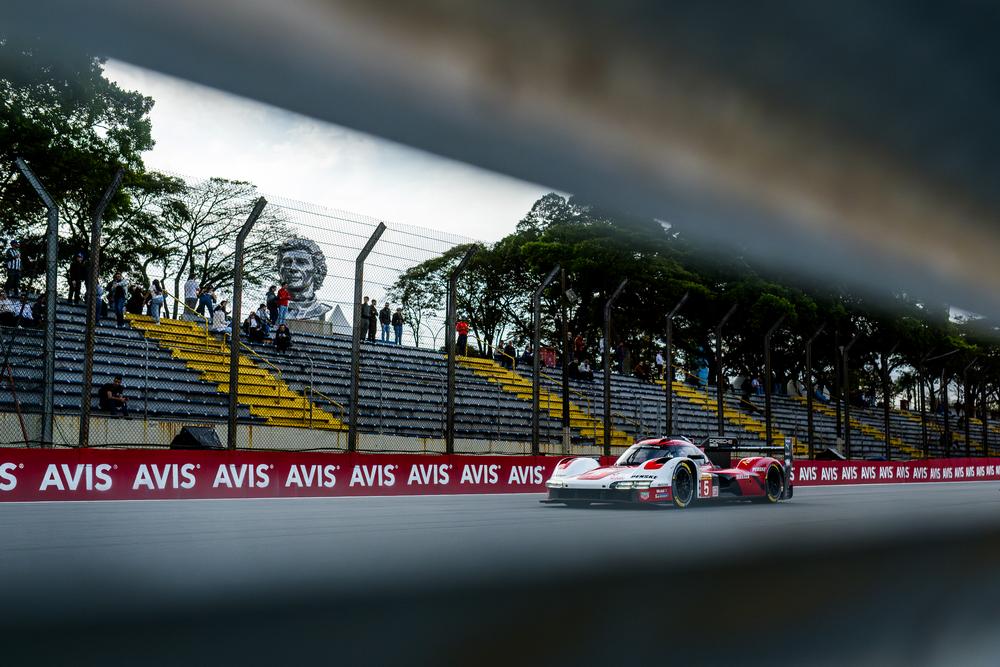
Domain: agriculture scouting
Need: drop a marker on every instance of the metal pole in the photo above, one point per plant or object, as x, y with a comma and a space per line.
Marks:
449, 431
837, 381
847, 396
237, 321
607, 365
986, 416
51, 274
668, 369
810, 434
967, 406
536, 315
767, 379
923, 413
359, 278
719, 374
95, 266
886, 398
566, 352
944, 406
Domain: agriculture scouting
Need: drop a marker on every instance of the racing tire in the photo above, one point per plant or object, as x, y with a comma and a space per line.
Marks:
774, 486
683, 486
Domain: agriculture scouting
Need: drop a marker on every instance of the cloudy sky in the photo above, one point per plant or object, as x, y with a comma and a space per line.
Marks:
202, 132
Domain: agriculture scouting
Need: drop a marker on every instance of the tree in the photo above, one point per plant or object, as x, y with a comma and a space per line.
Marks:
203, 223
421, 294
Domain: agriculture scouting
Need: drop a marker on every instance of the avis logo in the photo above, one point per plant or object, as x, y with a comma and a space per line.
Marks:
376, 475
66, 477
312, 476
242, 476
431, 473
8, 480
154, 477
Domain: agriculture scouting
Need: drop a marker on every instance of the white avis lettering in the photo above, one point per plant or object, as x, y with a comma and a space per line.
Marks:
167, 476
312, 476
66, 477
479, 473
526, 475
8, 482
433, 473
245, 476
380, 475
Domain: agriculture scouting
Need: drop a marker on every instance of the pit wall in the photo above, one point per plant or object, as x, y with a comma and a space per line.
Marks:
146, 474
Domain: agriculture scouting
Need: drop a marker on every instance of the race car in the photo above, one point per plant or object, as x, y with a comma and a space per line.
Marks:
673, 471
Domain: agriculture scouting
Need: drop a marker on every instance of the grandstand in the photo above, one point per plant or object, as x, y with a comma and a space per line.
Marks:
176, 374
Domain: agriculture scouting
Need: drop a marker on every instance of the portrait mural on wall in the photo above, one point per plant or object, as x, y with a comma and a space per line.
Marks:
302, 266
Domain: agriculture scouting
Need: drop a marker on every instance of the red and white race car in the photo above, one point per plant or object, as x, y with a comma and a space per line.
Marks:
665, 471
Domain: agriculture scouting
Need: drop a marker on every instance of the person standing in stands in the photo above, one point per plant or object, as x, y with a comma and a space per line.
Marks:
284, 296
136, 300
282, 338
397, 325
385, 318
117, 295
366, 311
264, 315
155, 301
77, 276
271, 301
191, 291
12, 260
660, 364
111, 397
462, 329
510, 354
579, 347
206, 301
372, 320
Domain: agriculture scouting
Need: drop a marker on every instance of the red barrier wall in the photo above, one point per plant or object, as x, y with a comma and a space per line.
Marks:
96, 474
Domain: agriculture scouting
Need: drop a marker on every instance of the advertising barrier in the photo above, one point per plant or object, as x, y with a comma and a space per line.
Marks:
142, 474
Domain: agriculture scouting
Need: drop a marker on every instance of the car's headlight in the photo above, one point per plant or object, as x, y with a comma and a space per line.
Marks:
627, 484
555, 484
642, 484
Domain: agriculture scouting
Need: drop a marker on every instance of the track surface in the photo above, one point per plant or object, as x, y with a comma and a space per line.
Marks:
65, 558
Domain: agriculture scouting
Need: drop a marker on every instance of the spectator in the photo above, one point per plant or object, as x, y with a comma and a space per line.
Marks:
282, 338
661, 364
117, 294
366, 312
579, 347
206, 301
510, 353
397, 325
372, 320
191, 291
25, 317
584, 372
462, 328
641, 371
284, 296
136, 300
155, 300
758, 390
12, 260
271, 301
220, 319
385, 318
527, 357
255, 329
102, 305
111, 397
264, 317
77, 276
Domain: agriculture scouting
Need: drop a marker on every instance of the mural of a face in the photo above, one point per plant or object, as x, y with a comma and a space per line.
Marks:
297, 269
302, 266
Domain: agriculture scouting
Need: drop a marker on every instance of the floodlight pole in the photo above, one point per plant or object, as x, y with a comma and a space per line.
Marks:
359, 279
451, 321
719, 373
809, 391
95, 267
607, 365
237, 320
846, 392
51, 276
886, 398
767, 379
536, 368
668, 368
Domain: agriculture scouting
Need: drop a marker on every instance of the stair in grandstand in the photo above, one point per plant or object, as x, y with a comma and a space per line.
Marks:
867, 429
513, 382
264, 394
736, 417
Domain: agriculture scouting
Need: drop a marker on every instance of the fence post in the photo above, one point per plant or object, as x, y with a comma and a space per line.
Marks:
967, 405
536, 369
810, 432
986, 416
359, 277
886, 399
567, 436
607, 365
450, 322
668, 367
237, 320
946, 436
719, 372
94, 277
767, 379
846, 395
923, 412
51, 274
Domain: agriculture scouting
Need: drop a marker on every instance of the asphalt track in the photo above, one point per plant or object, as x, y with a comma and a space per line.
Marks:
65, 563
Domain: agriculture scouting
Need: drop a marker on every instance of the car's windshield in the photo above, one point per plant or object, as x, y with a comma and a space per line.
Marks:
639, 454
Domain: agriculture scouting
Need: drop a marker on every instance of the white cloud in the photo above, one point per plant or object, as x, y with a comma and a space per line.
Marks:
202, 132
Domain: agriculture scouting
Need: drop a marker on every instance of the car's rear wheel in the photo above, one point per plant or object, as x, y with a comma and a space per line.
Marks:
683, 486
774, 485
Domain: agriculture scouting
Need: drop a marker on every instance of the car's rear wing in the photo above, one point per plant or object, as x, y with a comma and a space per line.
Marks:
720, 451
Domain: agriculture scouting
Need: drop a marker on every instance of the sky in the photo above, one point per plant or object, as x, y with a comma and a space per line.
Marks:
202, 132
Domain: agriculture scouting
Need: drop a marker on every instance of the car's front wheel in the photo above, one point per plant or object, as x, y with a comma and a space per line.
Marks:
683, 486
